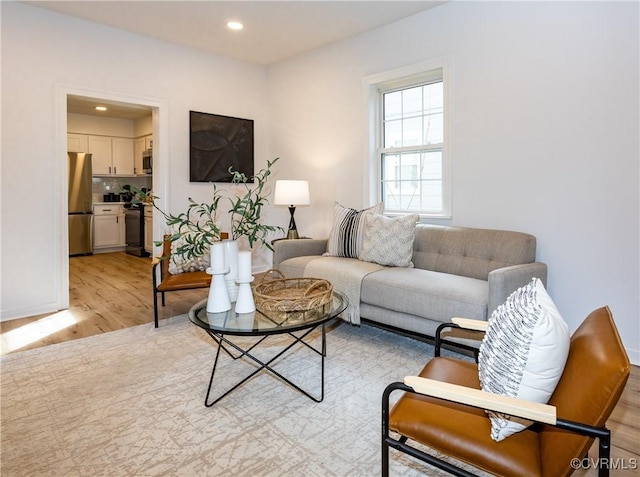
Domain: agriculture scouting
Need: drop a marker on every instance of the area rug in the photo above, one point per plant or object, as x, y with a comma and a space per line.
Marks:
131, 403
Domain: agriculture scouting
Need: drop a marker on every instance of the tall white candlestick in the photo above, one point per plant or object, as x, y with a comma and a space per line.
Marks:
244, 266
231, 258
217, 256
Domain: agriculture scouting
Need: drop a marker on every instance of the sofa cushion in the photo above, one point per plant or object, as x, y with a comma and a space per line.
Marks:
523, 352
433, 295
470, 252
347, 233
389, 240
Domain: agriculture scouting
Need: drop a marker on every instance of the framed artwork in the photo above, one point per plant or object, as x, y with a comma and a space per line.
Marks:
217, 143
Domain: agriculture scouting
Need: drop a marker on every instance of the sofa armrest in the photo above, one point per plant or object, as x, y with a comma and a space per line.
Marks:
288, 248
504, 281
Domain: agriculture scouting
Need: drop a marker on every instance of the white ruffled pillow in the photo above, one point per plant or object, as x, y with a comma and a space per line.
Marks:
523, 353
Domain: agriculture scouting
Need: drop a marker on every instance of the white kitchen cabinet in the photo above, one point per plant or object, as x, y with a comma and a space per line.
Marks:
111, 156
122, 158
77, 143
148, 230
109, 232
100, 149
105, 231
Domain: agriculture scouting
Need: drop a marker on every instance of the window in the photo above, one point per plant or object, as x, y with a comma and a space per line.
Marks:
411, 152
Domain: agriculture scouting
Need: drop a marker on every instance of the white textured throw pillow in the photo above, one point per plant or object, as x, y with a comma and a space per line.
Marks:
523, 353
389, 240
179, 264
347, 233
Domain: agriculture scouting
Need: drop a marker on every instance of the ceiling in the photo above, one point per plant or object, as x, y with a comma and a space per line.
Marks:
87, 106
273, 30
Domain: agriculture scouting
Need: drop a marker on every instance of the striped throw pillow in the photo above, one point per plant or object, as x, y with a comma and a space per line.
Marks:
347, 233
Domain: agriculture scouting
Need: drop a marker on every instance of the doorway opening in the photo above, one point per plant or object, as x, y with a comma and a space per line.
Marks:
131, 118
110, 149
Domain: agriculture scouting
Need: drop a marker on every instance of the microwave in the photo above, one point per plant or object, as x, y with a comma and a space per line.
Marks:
147, 161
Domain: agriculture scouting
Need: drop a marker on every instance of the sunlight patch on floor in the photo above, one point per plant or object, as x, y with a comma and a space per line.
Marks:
27, 334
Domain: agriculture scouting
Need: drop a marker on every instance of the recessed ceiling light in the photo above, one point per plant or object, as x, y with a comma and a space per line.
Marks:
101, 108
235, 25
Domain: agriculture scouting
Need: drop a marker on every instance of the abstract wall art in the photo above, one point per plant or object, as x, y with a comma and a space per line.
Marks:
217, 143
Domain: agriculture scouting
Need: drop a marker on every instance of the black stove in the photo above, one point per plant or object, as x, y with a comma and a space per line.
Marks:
134, 223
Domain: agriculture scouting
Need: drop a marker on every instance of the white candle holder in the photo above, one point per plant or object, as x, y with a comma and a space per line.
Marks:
244, 302
231, 260
218, 300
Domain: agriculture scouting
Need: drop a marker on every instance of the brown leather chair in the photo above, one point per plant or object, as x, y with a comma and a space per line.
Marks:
169, 282
430, 412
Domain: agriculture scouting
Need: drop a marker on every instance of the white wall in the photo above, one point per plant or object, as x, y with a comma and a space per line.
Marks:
142, 126
545, 133
43, 52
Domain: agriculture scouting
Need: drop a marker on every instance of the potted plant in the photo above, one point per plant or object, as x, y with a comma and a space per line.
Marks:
198, 227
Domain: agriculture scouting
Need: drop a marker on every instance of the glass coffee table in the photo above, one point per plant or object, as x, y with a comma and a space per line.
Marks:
223, 327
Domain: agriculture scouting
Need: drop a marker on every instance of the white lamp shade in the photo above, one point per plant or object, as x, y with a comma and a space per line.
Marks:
292, 193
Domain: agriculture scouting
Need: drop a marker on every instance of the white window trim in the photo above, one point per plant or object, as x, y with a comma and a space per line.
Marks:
372, 86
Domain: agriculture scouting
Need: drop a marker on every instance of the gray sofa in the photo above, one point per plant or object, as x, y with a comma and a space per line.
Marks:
464, 272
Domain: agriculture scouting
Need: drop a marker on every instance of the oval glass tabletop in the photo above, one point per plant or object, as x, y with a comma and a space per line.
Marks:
265, 322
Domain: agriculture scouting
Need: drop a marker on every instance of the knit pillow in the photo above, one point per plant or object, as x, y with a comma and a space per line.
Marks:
347, 233
523, 353
389, 240
180, 264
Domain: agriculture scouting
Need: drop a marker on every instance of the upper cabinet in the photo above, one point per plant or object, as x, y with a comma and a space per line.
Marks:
112, 142
101, 153
122, 158
111, 156
77, 143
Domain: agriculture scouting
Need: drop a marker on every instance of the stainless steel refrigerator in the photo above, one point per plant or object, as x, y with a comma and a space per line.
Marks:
80, 203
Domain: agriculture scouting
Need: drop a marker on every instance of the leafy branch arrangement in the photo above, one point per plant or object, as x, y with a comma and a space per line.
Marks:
247, 209
197, 228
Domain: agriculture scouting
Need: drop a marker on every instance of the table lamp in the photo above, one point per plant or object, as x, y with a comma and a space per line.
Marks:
292, 193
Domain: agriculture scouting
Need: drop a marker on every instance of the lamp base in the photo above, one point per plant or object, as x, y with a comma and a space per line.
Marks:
293, 231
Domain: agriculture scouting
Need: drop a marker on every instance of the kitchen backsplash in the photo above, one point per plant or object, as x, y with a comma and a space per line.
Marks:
106, 185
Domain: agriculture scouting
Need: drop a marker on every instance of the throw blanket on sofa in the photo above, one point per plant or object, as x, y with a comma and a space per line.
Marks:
345, 274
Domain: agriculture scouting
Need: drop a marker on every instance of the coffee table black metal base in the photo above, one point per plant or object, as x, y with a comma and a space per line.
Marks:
222, 341
296, 325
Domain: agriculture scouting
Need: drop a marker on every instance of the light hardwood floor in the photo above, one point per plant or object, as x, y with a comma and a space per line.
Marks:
112, 291
107, 292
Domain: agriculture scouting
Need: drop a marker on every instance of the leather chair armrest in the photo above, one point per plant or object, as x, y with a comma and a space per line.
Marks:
532, 411
469, 324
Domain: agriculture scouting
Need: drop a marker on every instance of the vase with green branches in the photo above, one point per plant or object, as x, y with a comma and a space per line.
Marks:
198, 227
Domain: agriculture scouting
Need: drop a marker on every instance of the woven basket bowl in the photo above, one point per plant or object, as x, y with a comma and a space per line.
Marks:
292, 294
